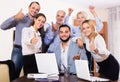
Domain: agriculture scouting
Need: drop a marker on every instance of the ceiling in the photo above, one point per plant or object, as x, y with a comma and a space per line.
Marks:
97, 3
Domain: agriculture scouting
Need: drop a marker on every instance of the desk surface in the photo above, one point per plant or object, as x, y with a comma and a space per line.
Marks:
71, 78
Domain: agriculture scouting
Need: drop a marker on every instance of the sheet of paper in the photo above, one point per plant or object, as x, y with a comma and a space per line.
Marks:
35, 75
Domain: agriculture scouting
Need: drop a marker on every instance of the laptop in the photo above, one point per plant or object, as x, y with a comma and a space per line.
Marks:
82, 71
46, 63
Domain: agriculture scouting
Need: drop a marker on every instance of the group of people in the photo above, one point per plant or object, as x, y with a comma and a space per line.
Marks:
65, 40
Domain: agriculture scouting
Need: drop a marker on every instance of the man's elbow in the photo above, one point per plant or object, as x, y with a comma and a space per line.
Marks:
2, 27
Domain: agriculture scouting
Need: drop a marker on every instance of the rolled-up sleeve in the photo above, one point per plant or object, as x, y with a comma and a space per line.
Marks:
99, 24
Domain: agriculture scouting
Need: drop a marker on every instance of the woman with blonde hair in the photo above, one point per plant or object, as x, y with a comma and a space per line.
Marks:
95, 44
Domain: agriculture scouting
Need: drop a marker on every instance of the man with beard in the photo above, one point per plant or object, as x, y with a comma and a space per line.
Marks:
67, 51
51, 36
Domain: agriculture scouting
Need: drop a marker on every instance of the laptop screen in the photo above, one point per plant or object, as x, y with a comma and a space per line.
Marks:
46, 63
83, 71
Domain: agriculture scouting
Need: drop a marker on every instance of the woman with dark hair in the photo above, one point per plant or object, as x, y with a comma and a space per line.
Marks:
32, 43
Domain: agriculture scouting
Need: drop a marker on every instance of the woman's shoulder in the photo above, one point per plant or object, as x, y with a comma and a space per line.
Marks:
99, 37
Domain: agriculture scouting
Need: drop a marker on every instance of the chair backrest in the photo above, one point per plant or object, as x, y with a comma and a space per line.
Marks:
4, 73
7, 71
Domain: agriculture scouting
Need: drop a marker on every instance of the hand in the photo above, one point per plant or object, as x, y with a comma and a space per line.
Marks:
76, 22
93, 48
19, 15
54, 27
96, 74
76, 57
34, 39
92, 10
92, 45
70, 10
79, 42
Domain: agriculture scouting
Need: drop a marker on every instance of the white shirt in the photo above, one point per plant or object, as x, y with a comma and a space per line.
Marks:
64, 56
99, 42
27, 47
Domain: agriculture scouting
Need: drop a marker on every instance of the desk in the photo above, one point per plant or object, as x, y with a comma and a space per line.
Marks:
71, 78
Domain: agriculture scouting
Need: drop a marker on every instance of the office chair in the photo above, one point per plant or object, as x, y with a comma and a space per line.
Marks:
4, 73
7, 71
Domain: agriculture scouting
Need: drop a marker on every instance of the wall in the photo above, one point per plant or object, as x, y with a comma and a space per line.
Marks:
103, 14
9, 8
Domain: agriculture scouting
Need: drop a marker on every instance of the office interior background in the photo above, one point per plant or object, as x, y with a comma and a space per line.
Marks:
108, 11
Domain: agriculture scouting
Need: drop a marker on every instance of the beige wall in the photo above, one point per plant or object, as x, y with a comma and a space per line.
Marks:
103, 14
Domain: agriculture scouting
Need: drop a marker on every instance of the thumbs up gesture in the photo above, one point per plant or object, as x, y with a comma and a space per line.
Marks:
19, 15
34, 39
92, 45
54, 27
76, 57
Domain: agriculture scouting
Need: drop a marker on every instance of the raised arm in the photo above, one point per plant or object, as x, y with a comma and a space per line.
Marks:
12, 21
70, 10
99, 24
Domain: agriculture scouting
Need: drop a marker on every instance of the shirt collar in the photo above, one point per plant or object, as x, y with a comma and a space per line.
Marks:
66, 47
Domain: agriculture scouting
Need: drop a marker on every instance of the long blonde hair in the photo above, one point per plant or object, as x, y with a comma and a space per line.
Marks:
92, 26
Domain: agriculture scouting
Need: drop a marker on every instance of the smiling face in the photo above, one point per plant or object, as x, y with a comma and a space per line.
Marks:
81, 16
88, 28
60, 17
39, 21
64, 33
34, 8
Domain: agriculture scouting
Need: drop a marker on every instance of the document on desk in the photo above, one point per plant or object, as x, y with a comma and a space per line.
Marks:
50, 78
43, 77
37, 75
